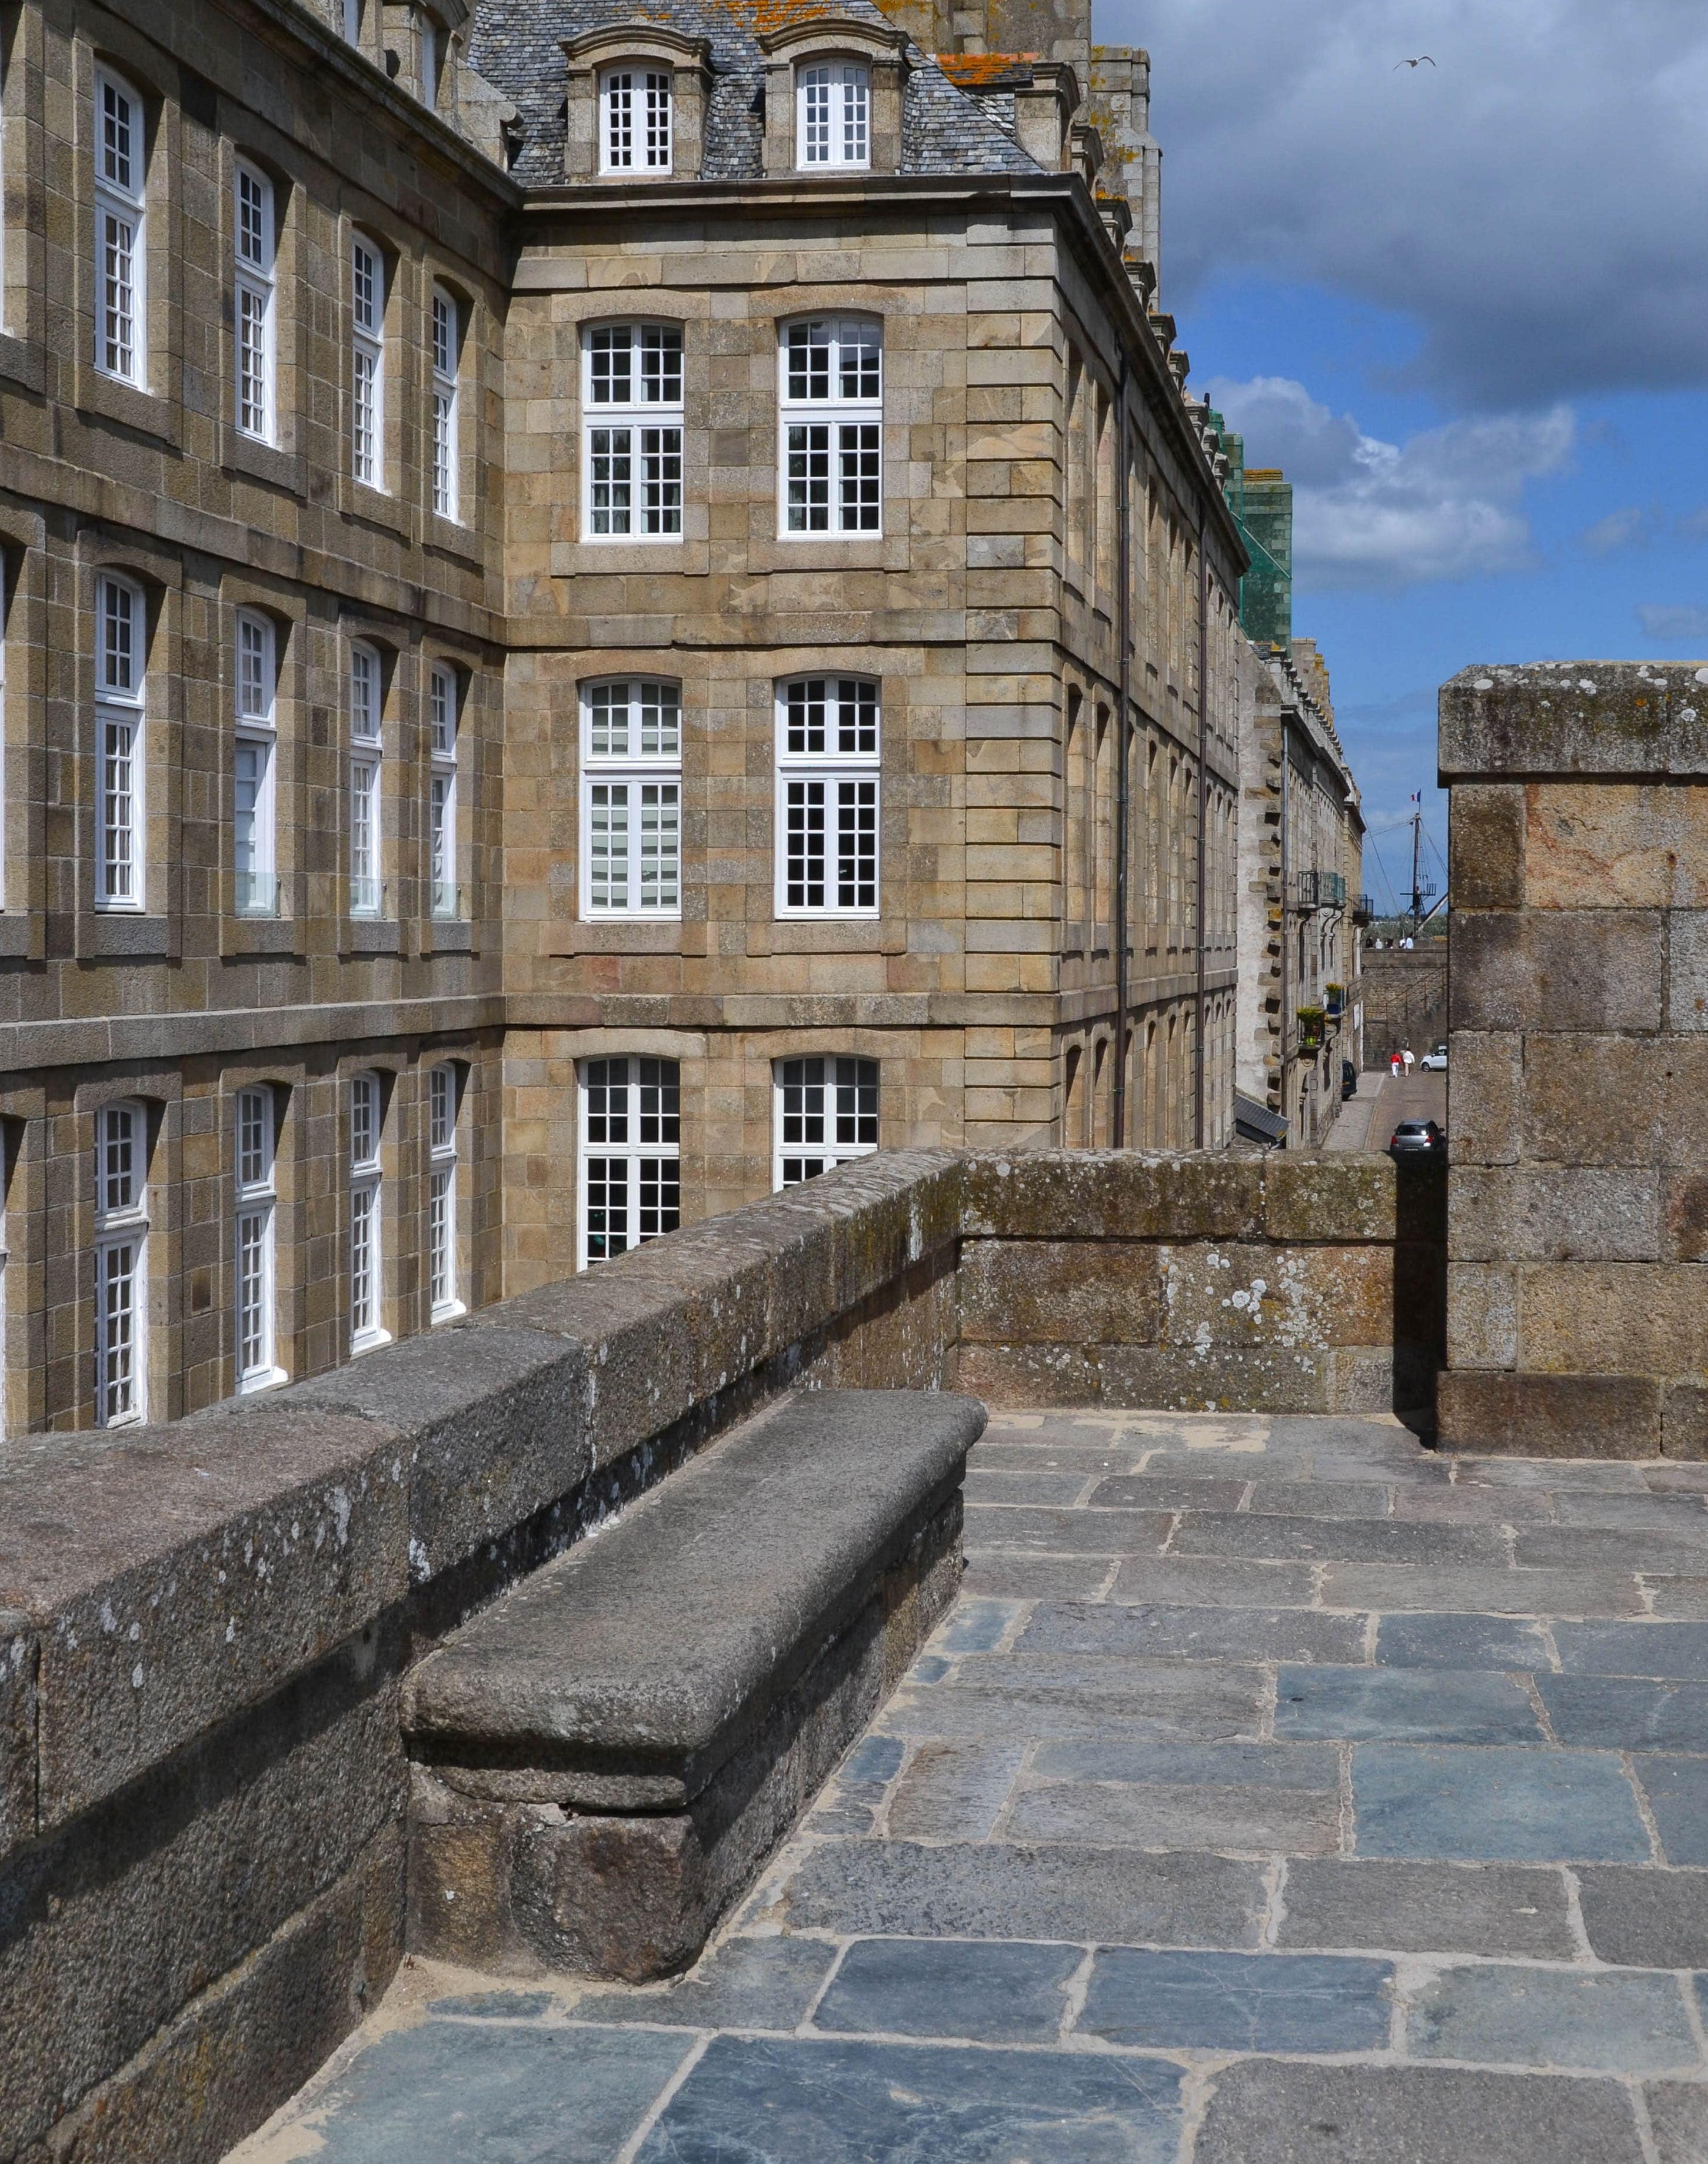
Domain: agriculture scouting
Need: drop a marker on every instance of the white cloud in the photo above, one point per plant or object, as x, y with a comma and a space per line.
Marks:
1628, 528
1534, 201
1666, 623
1448, 503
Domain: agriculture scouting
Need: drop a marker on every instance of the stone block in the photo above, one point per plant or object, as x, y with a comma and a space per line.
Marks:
213, 2074
117, 1922
1687, 970
1487, 1072
1684, 1421
1329, 1200
1552, 1213
495, 1422
1627, 1713
1464, 1641
1614, 1318
954, 1792
1285, 2113
1059, 1292
1162, 1815
179, 1574
1496, 1803
1236, 2002
1499, 1909
1684, 1215
1615, 845
1482, 1314
1154, 1632
742, 1983
1219, 1379
1595, 1099
1678, 2119
1539, 1415
18, 1654
1394, 1704
1486, 845
1678, 1800
1557, 970
1100, 1194
1291, 1300
1029, 1374
1622, 719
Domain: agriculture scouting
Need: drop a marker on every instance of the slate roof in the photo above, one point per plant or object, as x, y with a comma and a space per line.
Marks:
517, 46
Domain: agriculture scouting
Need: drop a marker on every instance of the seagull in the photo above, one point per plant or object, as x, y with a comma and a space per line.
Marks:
1417, 63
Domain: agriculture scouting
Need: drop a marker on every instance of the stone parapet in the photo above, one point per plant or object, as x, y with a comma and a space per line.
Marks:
204, 1627
1577, 1001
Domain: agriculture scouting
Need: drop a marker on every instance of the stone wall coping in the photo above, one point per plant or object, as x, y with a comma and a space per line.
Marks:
630, 1669
165, 1578
1616, 718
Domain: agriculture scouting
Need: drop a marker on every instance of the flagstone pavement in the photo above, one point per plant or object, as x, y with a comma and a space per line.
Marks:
1276, 1792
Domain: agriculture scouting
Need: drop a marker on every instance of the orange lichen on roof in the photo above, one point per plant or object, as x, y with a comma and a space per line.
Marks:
985, 71
764, 16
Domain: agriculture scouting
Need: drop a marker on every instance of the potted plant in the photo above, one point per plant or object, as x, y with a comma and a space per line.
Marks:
1311, 1021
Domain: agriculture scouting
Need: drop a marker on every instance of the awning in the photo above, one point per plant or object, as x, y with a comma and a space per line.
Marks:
1257, 1122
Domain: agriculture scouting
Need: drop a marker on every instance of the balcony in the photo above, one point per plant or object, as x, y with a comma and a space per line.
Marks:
1321, 890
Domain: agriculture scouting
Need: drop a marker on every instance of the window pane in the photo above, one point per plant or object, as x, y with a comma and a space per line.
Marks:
659, 122
856, 716
859, 477
860, 350
118, 638
660, 1101
810, 479
119, 1160
116, 1319
810, 361
804, 871
661, 364
611, 480
816, 116
117, 137
854, 125
607, 1207
608, 722
856, 1104
620, 121
660, 721
661, 481
806, 715
608, 842
661, 845
118, 808
609, 367
857, 845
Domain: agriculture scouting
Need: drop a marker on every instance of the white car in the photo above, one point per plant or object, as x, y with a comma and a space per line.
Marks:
1434, 1063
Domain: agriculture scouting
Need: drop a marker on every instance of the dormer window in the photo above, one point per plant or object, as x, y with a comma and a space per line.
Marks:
833, 113
635, 120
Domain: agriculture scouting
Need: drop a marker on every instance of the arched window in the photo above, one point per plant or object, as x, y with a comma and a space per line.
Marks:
367, 892
831, 404
447, 358
121, 235
635, 118
833, 113
121, 1264
254, 844
121, 626
257, 1362
367, 1258
442, 1094
257, 242
443, 717
367, 362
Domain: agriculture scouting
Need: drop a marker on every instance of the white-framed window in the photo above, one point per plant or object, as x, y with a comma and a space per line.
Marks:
631, 798
367, 362
629, 1187
632, 433
367, 766
635, 119
831, 408
257, 246
254, 758
828, 751
257, 1196
443, 1295
823, 1112
443, 718
447, 353
833, 113
433, 58
121, 235
121, 1265
366, 1223
120, 747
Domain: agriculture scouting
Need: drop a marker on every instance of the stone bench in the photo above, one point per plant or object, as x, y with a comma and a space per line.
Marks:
602, 1760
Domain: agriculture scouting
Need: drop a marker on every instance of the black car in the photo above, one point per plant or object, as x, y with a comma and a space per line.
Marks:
1417, 1138
1348, 1080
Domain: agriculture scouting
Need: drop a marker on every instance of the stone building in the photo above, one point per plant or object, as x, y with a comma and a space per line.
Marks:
601, 610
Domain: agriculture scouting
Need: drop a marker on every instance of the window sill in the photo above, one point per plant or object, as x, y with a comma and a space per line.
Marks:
828, 552
126, 931
448, 1313
372, 935
450, 537
264, 462
22, 362
370, 1341
377, 506
688, 557
253, 1385
16, 941
146, 412
243, 936
619, 935
450, 935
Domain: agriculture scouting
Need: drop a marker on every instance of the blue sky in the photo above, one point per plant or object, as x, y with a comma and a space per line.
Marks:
1466, 307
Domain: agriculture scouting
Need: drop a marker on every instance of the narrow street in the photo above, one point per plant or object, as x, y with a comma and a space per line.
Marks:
1366, 1121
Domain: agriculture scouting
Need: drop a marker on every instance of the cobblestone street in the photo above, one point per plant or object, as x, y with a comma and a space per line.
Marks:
1276, 1793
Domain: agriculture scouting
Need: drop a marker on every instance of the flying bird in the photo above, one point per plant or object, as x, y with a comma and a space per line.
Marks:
1417, 63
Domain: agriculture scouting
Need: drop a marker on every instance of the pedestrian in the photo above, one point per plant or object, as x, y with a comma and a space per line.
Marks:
1394, 1065
1406, 1056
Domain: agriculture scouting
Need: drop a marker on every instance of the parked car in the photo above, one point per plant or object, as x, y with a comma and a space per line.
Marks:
1417, 1138
1348, 1080
1434, 1063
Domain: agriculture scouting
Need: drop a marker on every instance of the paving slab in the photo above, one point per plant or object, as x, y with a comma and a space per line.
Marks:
1267, 2111
1148, 1630
1318, 1499
1632, 2021
1336, 1540
1627, 1713
741, 1984
1167, 1491
1464, 1641
1679, 1650
811, 2102
983, 1989
955, 1791
1427, 1908
1017, 1890
1240, 1821
1422, 1706
1041, 1531
1491, 1592
1238, 2002
1183, 1581
1496, 1804
1639, 1917
989, 1485
1009, 1574
1677, 1791
1677, 2119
